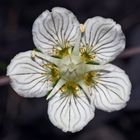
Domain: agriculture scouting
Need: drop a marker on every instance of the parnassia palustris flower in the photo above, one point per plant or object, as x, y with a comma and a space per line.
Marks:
71, 68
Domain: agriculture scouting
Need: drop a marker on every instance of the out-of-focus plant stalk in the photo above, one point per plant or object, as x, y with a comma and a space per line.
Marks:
130, 52
4, 80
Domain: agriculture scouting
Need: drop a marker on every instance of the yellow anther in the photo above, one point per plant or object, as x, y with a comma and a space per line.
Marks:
61, 52
89, 78
70, 88
82, 49
82, 28
86, 55
48, 65
33, 54
52, 71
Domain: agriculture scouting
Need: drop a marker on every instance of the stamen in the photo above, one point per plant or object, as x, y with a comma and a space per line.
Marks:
64, 52
33, 54
53, 72
70, 88
46, 57
88, 78
61, 52
86, 55
82, 28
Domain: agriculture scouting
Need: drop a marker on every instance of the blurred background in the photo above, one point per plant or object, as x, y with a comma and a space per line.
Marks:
26, 119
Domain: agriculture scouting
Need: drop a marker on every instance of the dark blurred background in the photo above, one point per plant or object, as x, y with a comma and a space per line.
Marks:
26, 119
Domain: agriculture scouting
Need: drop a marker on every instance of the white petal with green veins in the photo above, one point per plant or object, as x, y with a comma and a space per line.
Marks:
28, 77
112, 88
55, 31
70, 112
103, 39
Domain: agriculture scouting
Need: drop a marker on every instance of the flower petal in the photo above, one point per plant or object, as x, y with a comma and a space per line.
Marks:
70, 112
103, 38
112, 88
55, 30
28, 77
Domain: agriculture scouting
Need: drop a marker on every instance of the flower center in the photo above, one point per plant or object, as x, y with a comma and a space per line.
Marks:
74, 70
71, 68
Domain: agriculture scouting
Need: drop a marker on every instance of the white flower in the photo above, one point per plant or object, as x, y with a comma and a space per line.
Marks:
71, 68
